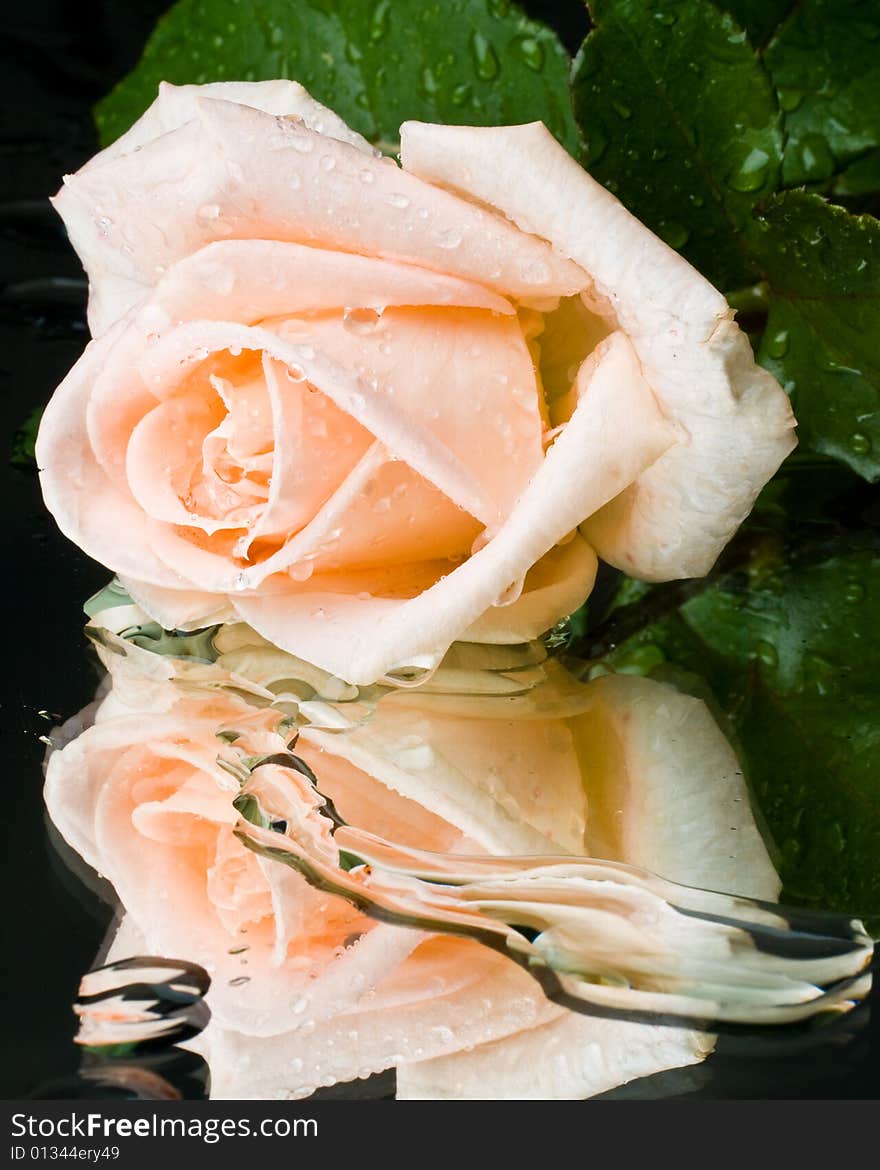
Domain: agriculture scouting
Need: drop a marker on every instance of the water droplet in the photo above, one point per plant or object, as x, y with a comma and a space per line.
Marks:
511, 594
448, 239
766, 652
789, 100
301, 571
485, 57
532, 52
838, 837
381, 20
306, 352
817, 161
360, 320
242, 581
103, 224
208, 211
429, 82
295, 374
676, 235
667, 19
657, 154
328, 162
750, 174
414, 754
366, 176
622, 111
461, 95
776, 344
859, 444
303, 142
395, 199
854, 592
235, 171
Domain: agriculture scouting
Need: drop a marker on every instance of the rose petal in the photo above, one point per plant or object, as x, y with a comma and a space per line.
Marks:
176, 105
614, 433
138, 213
737, 423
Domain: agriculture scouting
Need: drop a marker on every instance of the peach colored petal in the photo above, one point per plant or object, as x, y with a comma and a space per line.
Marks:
615, 432
465, 377
555, 586
236, 172
316, 445
88, 507
405, 436
736, 424
250, 280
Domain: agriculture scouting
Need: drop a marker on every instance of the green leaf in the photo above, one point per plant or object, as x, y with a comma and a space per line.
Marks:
680, 120
825, 63
24, 440
823, 332
760, 18
785, 648
375, 63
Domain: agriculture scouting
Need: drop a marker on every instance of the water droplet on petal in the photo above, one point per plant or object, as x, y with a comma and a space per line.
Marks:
360, 320
396, 199
448, 239
301, 571
854, 592
859, 444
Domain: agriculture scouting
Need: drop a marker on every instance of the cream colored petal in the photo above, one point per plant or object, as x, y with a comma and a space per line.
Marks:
176, 104
735, 423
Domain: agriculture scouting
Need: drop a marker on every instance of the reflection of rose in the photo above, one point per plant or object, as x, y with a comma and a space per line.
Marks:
366, 412
306, 991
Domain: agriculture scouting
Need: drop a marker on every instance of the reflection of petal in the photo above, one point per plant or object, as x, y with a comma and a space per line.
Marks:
567, 1058
615, 432
254, 176
737, 423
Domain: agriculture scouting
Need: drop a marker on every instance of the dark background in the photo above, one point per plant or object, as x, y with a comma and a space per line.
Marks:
56, 59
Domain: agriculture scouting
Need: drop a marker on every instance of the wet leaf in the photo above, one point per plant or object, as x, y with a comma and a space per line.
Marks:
822, 339
375, 62
681, 122
825, 63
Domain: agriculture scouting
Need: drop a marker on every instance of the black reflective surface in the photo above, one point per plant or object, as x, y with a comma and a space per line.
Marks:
57, 59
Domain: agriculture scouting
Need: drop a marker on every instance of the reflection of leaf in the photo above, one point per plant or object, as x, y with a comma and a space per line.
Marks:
681, 121
825, 63
375, 62
785, 648
823, 333
22, 453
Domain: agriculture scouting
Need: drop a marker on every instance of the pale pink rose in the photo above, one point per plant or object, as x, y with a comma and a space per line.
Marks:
371, 410
324, 994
